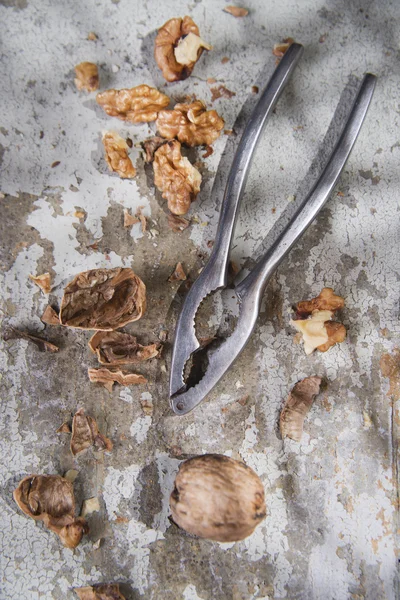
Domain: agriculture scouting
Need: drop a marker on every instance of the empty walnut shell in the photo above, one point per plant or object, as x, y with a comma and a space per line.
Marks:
50, 498
217, 498
167, 40
103, 299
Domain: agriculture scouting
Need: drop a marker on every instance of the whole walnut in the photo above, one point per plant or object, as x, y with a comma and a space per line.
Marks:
217, 498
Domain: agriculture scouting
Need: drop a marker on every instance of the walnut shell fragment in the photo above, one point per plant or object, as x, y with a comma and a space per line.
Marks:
236, 11
175, 56
176, 178
117, 348
139, 104
217, 498
177, 223
103, 299
314, 321
50, 316
129, 219
116, 155
43, 345
100, 591
107, 377
87, 76
192, 124
85, 433
50, 498
179, 274
42, 281
297, 406
280, 49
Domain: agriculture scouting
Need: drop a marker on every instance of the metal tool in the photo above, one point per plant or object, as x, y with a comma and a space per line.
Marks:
249, 292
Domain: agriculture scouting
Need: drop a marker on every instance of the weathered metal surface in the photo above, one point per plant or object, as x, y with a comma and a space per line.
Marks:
332, 499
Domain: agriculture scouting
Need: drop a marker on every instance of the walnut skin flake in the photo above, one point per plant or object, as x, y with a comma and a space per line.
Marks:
236, 11
100, 591
191, 124
103, 299
50, 498
107, 377
281, 48
221, 92
85, 433
297, 406
150, 146
87, 77
116, 155
178, 274
43, 345
129, 220
117, 348
176, 178
175, 56
42, 281
140, 104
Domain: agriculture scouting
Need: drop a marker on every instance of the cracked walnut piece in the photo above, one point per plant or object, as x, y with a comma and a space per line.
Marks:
103, 299
50, 498
117, 158
176, 178
119, 348
87, 77
314, 321
191, 123
107, 377
178, 47
140, 104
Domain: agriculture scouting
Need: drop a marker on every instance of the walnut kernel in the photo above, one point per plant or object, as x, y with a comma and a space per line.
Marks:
137, 105
116, 155
176, 178
178, 47
191, 123
87, 77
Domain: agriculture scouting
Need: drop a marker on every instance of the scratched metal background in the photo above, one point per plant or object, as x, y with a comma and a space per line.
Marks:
330, 532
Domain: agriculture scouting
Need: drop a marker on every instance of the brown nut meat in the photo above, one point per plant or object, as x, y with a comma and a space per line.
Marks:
217, 498
319, 332
118, 348
326, 300
176, 178
103, 299
297, 406
87, 77
116, 155
140, 104
178, 47
50, 498
191, 123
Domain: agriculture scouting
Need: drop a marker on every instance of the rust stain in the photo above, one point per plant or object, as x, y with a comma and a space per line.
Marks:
390, 368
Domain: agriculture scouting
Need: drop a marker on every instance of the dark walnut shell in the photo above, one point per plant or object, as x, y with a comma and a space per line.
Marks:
118, 348
217, 498
50, 498
103, 299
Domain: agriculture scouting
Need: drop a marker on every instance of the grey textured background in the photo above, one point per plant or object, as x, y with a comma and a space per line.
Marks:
330, 532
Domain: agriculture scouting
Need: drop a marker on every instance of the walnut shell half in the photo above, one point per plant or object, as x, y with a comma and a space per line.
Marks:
176, 178
217, 498
191, 124
139, 104
178, 47
118, 348
103, 299
50, 498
